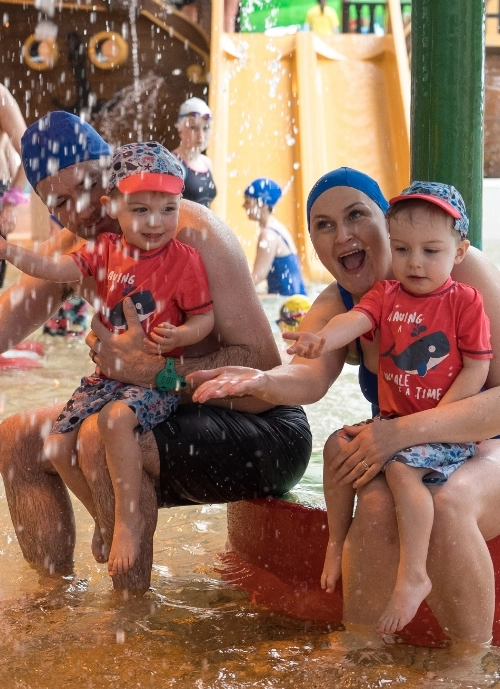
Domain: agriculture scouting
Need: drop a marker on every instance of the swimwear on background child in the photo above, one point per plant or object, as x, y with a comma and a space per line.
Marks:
435, 349
167, 282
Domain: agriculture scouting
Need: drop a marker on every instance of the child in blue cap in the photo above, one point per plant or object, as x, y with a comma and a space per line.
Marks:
276, 258
435, 349
167, 282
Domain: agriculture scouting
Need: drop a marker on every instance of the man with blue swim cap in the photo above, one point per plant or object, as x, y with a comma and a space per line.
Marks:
276, 257
57, 141
202, 455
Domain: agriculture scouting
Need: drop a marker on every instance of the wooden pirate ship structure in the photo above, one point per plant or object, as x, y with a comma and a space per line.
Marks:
126, 65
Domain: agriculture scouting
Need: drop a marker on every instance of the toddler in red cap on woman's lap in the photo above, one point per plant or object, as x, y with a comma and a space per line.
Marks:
435, 349
167, 283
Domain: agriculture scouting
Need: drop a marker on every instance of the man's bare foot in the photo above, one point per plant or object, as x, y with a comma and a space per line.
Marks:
332, 567
403, 605
99, 548
125, 546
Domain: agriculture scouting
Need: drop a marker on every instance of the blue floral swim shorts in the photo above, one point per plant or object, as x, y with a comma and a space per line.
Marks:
442, 458
150, 406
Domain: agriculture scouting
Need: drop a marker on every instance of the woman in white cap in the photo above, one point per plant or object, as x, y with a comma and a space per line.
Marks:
194, 125
276, 258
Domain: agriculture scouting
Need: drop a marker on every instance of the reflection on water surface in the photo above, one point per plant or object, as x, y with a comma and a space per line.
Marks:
192, 630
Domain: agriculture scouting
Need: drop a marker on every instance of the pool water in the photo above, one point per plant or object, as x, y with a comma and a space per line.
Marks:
191, 630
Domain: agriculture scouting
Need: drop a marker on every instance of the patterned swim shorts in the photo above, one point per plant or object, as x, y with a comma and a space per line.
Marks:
442, 458
150, 406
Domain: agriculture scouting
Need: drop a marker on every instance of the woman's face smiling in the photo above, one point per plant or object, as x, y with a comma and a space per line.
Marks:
349, 234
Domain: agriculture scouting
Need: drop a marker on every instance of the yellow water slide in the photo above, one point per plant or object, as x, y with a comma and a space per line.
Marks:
293, 107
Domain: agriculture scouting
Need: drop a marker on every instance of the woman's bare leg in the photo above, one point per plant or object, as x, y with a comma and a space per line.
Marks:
371, 555
415, 515
93, 464
38, 501
339, 505
467, 512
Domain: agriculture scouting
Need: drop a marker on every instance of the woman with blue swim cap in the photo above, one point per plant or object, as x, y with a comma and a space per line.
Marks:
276, 258
346, 217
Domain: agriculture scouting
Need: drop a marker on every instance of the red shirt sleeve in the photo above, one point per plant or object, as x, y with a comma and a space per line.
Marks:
192, 292
89, 257
371, 305
473, 336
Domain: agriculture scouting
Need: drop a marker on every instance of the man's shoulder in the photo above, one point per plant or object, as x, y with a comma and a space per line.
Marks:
179, 250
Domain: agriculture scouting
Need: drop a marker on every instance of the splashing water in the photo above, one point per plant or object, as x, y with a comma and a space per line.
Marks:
135, 67
191, 629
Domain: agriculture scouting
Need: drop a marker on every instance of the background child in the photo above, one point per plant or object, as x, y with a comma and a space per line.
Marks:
167, 282
434, 344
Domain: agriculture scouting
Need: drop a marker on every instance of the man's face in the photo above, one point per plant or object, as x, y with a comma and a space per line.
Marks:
73, 197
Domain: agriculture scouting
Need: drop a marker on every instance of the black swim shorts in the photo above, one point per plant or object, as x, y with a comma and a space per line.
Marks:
214, 455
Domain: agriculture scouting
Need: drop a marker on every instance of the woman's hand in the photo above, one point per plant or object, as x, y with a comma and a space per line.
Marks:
122, 357
307, 345
371, 446
229, 381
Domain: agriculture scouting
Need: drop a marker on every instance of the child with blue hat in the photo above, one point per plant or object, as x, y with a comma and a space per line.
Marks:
167, 283
276, 257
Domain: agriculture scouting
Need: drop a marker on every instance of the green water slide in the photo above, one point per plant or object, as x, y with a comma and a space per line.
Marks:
260, 15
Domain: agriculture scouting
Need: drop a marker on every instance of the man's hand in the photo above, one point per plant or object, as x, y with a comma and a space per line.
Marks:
307, 345
7, 219
229, 381
371, 446
122, 357
164, 338
4, 245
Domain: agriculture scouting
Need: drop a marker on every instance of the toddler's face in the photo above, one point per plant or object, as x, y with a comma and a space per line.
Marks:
148, 219
424, 247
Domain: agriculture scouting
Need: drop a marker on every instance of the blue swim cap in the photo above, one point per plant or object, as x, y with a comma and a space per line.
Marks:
56, 141
264, 189
346, 177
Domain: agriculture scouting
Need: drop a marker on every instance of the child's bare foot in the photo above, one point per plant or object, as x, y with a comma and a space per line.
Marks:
404, 604
99, 548
125, 546
332, 567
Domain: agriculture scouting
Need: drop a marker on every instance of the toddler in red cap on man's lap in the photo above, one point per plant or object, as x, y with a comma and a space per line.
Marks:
167, 283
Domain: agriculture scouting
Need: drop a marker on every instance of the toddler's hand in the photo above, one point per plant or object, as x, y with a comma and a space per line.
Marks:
163, 339
308, 345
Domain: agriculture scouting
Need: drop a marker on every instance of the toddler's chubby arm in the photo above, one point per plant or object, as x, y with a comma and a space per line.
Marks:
341, 330
166, 337
60, 268
469, 381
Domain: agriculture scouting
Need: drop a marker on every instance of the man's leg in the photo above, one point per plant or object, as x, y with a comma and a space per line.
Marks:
38, 501
92, 462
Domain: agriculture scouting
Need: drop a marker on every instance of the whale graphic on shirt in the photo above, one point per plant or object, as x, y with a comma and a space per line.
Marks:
422, 355
145, 306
